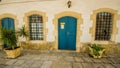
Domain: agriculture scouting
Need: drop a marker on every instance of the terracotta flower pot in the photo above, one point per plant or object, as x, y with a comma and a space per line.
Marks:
13, 53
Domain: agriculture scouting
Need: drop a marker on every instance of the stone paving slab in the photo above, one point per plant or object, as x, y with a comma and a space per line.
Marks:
59, 60
105, 60
29, 62
116, 65
87, 59
11, 62
108, 66
98, 65
19, 62
53, 58
77, 65
8, 67
87, 65
46, 64
97, 60
69, 59
62, 65
37, 64
78, 59
44, 57
113, 60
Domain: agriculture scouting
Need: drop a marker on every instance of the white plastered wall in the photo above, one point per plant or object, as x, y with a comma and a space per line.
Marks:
52, 7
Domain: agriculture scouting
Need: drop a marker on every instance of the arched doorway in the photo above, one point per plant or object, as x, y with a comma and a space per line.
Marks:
67, 33
79, 21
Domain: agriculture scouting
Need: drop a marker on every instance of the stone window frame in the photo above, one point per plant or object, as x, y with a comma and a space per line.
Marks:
35, 28
103, 24
26, 20
114, 26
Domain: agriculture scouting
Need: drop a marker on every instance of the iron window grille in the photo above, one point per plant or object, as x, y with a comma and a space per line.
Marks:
36, 27
103, 26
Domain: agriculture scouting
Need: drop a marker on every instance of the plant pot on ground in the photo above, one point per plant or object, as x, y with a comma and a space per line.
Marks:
9, 38
96, 50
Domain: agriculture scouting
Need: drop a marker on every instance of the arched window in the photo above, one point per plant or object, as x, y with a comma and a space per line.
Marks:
104, 24
36, 27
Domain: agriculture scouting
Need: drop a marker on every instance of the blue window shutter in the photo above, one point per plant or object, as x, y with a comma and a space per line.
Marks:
11, 24
5, 23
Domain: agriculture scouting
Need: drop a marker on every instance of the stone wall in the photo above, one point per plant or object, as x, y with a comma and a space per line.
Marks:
38, 46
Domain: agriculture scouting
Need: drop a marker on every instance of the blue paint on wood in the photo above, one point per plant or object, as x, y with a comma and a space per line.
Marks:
67, 36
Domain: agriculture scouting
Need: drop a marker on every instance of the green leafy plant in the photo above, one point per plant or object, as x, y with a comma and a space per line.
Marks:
96, 48
22, 32
8, 37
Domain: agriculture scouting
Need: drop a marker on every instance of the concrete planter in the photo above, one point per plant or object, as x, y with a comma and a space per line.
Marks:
91, 51
13, 53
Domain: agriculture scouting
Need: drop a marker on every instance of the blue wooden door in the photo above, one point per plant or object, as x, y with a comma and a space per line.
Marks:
8, 23
67, 33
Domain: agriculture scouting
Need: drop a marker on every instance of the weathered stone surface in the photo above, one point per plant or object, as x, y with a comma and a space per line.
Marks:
36, 57
62, 65
108, 66
87, 59
60, 60
53, 58
25, 65
12, 61
70, 59
116, 65
87, 65
97, 60
8, 66
113, 60
105, 60
46, 64
24, 57
29, 61
37, 64
77, 65
78, 59
98, 65
3, 65
17, 67
45, 57
19, 62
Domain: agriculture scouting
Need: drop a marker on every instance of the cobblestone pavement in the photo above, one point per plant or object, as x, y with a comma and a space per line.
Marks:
46, 59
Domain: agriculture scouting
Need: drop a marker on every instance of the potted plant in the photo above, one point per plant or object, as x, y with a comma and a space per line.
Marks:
96, 50
9, 38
